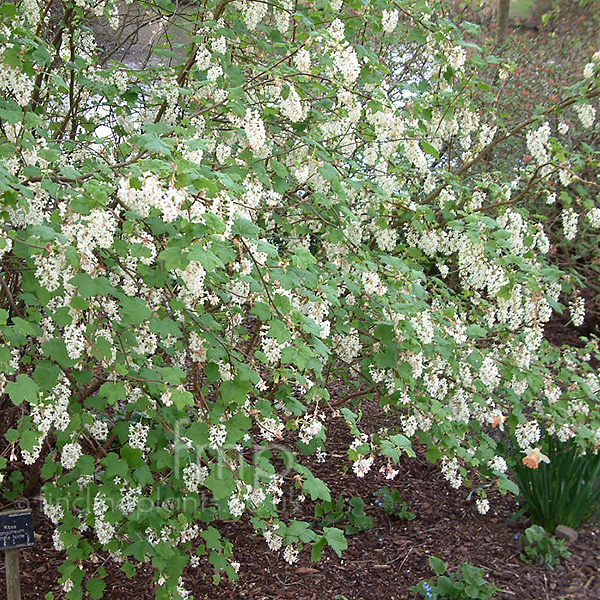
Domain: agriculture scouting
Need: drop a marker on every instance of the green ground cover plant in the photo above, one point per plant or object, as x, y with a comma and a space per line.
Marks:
467, 582
542, 548
391, 502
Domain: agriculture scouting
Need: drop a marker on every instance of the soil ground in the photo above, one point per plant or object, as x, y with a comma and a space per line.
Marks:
382, 562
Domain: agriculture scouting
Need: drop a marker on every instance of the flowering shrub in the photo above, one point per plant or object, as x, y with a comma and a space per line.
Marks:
193, 246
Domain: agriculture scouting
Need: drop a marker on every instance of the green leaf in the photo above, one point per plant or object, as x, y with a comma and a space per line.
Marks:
206, 258
151, 142
115, 466
46, 375
96, 588
312, 485
143, 475
317, 549
212, 537
134, 310
245, 229
336, 539
438, 565
429, 149
433, 454
303, 258
300, 531
506, 485
24, 389
27, 327
89, 286
182, 398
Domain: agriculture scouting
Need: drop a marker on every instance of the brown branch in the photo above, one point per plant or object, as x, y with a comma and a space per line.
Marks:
593, 93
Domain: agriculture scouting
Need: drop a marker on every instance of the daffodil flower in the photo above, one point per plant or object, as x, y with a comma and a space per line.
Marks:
534, 457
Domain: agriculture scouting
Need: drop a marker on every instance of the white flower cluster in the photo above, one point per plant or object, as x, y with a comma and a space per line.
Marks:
389, 20
527, 434
105, 531
423, 327
292, 107
70, 455
283, 16
98, 429
593, 217
217, 435
17, 84
363, 465
74, 336
290, 554
498, 464
588, 70
302, 60
416, 156
130, 497
343, 54
586, 114
89, 232
537, 141
273, 539
236, 506
577, 310
253, 13
50, 270
309, 428
570, 220
255, 130
271, 428
55, 512
483, 505
456, 57
373, 284
450, 470
151, 194
138, 432
272, 348
52, 411
489, 373
203, 58
193, 476
193, 279
348, 346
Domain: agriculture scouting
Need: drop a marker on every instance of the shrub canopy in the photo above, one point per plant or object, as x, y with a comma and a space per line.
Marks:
196, 241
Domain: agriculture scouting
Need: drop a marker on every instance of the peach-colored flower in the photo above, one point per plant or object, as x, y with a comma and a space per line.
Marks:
534, 457
499, 422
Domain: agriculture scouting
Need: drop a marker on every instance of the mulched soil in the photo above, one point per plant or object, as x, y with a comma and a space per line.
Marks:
382, 562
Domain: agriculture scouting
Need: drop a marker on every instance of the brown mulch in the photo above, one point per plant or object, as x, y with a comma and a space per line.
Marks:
382, 562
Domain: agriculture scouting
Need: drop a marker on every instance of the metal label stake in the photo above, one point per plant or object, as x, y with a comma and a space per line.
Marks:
16, 531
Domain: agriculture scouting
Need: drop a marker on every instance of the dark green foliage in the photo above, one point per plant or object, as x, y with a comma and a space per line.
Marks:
338, 511
391, 501
565, 491
541, 548
467, 582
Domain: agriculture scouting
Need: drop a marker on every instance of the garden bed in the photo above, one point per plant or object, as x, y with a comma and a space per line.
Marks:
382, 562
